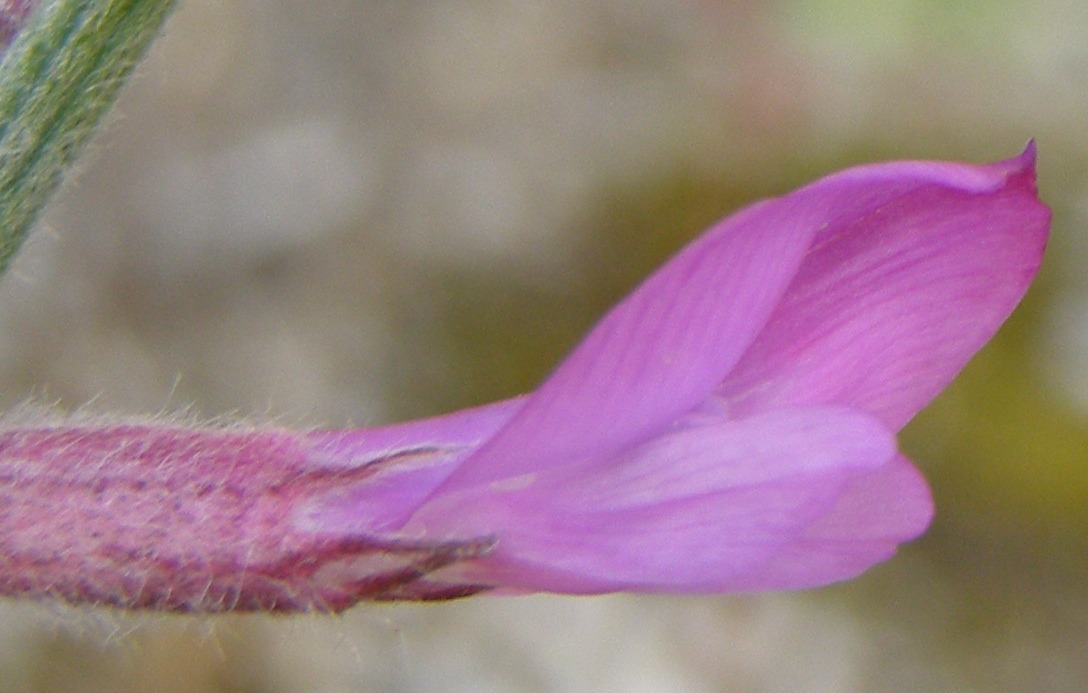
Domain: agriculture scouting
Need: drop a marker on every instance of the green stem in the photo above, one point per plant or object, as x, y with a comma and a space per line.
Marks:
57, 79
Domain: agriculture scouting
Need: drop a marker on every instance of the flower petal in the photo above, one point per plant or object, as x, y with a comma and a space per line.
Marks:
408, 461
661, 350
707, 508
871, 518
462, 430
883, 241
900, 291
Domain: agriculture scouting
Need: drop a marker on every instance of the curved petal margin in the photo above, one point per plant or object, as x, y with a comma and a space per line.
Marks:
889, 305
710, 508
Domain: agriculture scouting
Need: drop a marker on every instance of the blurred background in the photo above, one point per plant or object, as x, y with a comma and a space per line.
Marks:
349, 212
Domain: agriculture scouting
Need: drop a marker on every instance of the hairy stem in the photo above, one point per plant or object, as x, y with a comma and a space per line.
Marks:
57, 78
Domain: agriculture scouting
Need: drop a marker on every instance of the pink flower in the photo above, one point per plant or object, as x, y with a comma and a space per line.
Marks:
730, 425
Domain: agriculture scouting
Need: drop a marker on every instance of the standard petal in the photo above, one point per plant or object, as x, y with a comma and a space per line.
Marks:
708, 508
896, 295
660, 351
907, 269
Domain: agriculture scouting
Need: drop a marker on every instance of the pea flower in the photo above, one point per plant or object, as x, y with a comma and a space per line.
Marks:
729, 426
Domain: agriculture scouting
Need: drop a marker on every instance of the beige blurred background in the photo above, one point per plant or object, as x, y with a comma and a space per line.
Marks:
352, 212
